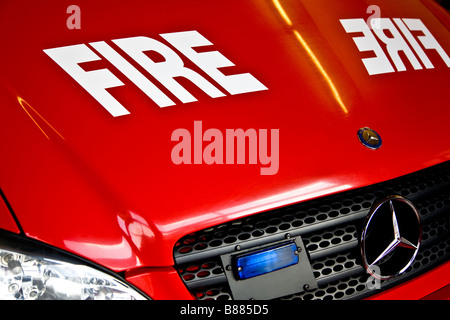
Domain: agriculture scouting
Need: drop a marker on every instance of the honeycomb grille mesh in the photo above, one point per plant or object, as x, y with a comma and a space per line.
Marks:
330, 229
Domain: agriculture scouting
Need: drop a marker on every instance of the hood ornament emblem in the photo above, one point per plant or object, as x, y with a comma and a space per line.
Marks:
369, 138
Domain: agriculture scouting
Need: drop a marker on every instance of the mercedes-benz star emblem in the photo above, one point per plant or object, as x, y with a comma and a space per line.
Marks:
391, 237
369, 138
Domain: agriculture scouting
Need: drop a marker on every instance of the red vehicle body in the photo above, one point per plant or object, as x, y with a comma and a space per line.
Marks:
104, 187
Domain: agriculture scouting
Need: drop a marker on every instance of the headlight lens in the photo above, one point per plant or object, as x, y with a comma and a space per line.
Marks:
26, 276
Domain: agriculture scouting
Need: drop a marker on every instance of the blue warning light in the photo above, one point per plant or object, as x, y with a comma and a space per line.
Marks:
266, 260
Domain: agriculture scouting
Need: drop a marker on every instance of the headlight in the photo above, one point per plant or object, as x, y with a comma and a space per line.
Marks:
30, 272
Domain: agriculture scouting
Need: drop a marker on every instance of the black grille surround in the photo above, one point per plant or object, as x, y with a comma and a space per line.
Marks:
330, 228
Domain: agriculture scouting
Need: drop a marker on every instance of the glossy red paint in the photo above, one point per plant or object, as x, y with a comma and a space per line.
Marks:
432, 285
106, 189
159, 283
6, 220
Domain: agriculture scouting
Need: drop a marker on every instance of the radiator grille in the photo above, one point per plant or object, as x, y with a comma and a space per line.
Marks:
330, 229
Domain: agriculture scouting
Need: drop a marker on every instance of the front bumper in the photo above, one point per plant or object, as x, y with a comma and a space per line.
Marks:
165, 284
432, 285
